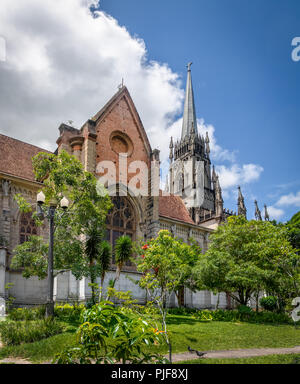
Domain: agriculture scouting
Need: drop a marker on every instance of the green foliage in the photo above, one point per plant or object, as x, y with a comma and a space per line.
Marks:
293, 227
104, 259
123, 252
183, 311
19, 314
18, 332
295, 219
268, 303
3, 242
204, 315
68, 312
249, 256
167, 266
244, 310
63, 175
111, 334
99, 255
123, 249
243, 313
32, 255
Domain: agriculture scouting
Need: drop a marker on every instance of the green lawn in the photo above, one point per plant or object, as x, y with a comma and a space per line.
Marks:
270, 359
184, 332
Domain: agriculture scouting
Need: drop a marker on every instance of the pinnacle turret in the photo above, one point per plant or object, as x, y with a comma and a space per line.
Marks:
257, 212
267, 217
242, 211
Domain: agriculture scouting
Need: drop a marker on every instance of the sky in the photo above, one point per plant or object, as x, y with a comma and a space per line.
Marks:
64, 62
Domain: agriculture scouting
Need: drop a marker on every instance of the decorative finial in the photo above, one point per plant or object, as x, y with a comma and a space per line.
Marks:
189, 66
120, 86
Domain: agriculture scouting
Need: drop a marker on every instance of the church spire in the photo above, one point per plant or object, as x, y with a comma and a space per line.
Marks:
242, 211
189, 114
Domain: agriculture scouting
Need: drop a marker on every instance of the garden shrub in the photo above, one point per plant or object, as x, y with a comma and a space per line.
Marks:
244, 313
204, 315
68, 312
109, 334
20, 314
19, 332
268, 303
182, 311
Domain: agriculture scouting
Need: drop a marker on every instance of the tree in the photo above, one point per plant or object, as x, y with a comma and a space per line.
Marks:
123, 252
165, 266
78, 232
98, 253
293, 227
249, 256
104, 261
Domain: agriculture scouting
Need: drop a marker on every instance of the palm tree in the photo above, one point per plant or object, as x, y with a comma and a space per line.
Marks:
104, 262
123, 252
92, 251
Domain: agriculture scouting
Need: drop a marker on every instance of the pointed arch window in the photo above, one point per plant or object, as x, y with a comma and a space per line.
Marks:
120, 221
27, 227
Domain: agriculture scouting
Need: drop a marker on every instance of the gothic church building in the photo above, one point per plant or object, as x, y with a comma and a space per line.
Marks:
190, 207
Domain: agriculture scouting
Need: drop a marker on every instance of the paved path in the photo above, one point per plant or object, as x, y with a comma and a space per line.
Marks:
237, 353
230, 354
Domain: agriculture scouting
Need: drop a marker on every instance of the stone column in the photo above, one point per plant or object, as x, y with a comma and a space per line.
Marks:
2, 280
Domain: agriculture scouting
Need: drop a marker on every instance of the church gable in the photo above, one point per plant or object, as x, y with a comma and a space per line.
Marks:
120, 130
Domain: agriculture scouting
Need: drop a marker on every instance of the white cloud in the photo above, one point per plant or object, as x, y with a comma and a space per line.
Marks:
275, 213
217, 152
234, 175
290, 199
63, 64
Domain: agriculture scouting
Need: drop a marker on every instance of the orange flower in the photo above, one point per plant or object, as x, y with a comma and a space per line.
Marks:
146, 246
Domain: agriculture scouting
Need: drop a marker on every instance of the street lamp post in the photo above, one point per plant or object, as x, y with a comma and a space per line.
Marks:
50, 214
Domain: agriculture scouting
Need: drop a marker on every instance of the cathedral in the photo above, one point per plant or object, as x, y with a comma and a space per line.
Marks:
190, 206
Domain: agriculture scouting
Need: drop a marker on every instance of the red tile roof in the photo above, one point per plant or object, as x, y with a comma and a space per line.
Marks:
173, 207
16, 157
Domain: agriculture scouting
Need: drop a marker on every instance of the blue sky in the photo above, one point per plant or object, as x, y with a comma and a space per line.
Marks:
245, 82
64, 64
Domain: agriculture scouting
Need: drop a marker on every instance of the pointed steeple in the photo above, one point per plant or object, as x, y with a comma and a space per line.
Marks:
267, 217
171, 146
218, 198
189, 114
257, 212
242, 211
207, 147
